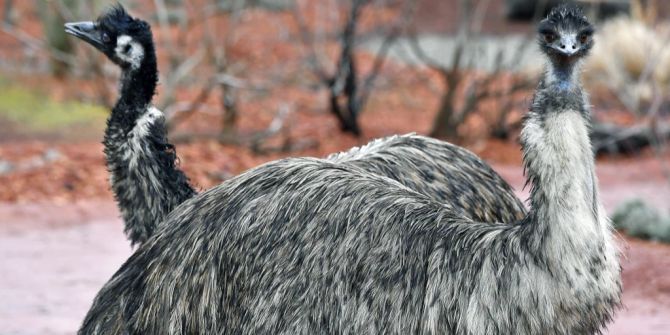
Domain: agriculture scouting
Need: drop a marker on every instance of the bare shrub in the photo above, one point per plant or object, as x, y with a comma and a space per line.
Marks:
466, 87
636, 218
348, 89
632, 60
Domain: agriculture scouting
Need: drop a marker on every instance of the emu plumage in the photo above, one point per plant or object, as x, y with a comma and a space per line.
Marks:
312, 246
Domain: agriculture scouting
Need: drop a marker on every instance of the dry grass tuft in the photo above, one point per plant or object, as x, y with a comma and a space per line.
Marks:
630, 58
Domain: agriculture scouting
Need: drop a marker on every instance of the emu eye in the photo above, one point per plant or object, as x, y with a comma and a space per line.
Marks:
105, 38
583, 38
549, 37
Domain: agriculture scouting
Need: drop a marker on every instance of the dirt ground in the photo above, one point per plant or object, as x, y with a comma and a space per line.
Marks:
57, 256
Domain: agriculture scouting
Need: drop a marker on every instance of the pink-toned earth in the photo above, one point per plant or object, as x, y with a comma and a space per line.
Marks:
55, 257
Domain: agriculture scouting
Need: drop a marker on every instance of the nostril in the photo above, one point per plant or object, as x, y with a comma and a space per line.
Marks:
562, 46
574, 47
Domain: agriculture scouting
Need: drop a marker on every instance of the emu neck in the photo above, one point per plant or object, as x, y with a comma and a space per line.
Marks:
560, 166
145, 180
562, 74
138, 86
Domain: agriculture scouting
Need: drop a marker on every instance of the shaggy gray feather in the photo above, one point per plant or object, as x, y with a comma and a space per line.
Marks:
442, 171
310, 246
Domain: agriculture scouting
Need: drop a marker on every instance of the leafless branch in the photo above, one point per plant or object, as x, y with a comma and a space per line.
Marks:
347, 93
276, 125
380, 58
180, 112
8, 10
256, 141
419, 52
37, 44
460, 77
309, 43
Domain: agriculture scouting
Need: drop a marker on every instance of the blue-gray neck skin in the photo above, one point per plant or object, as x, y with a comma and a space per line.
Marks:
144, 177
564, 78
563, 75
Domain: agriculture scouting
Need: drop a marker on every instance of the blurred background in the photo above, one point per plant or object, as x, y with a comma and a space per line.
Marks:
243, 82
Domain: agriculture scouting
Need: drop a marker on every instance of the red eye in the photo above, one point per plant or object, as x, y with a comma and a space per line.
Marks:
549, 37
583, 38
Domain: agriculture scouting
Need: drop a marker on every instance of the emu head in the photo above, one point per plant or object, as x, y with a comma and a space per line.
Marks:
124, 39
566, 35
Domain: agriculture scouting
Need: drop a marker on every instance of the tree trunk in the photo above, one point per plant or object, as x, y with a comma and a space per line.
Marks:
230, 112
501, 129
445, 124
8, 13
348, 123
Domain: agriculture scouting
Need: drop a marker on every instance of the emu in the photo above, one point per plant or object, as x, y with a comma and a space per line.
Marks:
148, 185
311, 246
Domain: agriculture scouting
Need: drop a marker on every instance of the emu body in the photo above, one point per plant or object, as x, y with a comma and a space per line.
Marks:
312, 246
305, 246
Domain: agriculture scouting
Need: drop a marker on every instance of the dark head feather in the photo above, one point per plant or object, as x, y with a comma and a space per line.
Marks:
566, 17
115, 18
116, 21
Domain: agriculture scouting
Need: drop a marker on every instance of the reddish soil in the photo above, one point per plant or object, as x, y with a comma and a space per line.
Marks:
56, 256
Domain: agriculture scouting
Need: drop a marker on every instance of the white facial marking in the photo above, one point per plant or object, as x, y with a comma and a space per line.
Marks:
129, 51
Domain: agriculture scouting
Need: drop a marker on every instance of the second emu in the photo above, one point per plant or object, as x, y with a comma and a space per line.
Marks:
308, 246
148, 185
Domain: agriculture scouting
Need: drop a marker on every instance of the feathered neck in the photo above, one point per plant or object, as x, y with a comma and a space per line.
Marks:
559, 163
138, 86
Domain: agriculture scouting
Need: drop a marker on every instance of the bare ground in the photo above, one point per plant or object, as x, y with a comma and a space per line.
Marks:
57, 256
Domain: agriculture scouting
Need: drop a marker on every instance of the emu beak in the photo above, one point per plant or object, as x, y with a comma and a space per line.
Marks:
569, 46
87, 31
